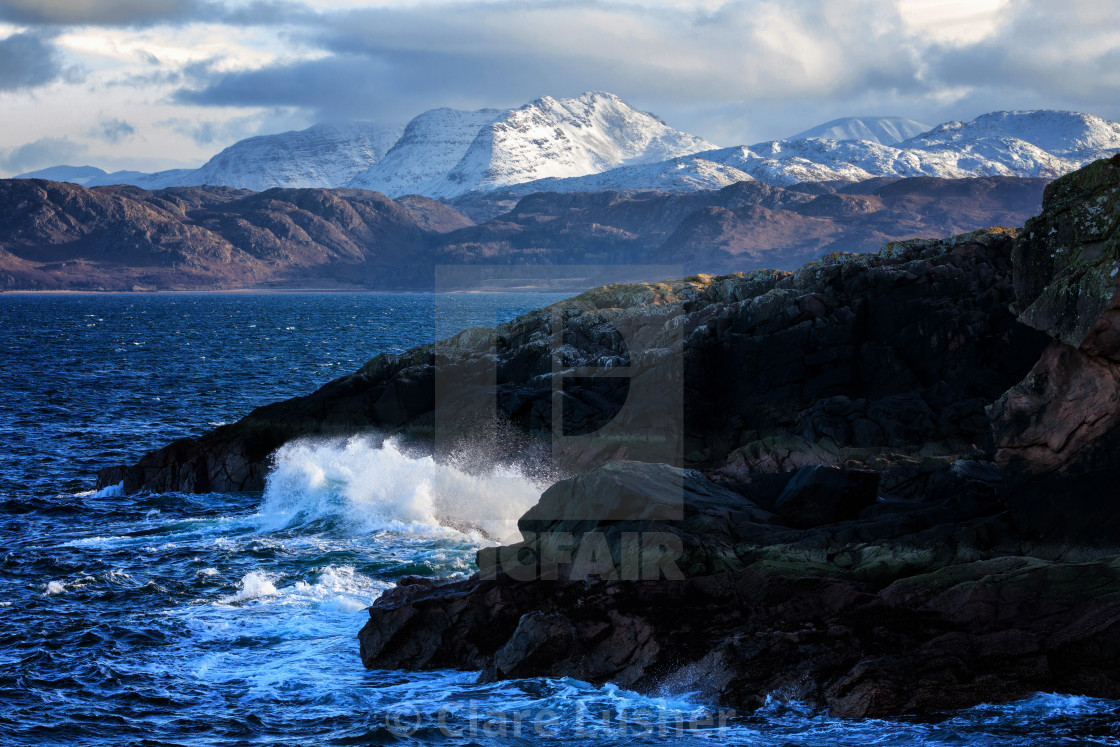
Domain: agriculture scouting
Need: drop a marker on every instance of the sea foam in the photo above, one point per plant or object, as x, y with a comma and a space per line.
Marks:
253, 585
358, 486
110, 491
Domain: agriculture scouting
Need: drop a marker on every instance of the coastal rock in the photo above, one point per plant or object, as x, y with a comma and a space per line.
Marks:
1064, 416
857, 357
633, 520
861, 629
816, 496
850, 360
934, 583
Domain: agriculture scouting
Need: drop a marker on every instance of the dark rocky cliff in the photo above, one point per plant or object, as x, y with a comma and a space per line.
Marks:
859, 358
1065, 416
932, 578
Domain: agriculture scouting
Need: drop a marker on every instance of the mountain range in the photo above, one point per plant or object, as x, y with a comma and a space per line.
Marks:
441, 153
598, 142
63, 236
1042, 144
588, 180
325, 155
546, 138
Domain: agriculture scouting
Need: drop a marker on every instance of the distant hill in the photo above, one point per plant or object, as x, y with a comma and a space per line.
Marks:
64, 236
58, 235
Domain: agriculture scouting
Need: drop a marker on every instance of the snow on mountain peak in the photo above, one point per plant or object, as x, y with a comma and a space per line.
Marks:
1058, 132
881, 130
1026, 144
598, 141
559, 138
431, 145
442, 152
325, 155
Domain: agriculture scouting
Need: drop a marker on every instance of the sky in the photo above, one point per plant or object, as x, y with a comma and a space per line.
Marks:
154, 84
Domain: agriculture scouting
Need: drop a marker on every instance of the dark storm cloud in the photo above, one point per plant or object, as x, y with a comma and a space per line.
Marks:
139, 13
27, 61
101, 12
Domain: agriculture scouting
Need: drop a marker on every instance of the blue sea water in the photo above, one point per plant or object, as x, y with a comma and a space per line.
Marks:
230, 619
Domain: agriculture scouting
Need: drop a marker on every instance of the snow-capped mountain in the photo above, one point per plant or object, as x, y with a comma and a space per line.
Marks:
597, 141
1029, 144
546, 138
325, 155
321, 156
1060, 133
441, 153
431, 146
881, 130
559, 138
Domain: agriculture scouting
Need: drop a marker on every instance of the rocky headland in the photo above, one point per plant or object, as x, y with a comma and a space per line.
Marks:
882, 483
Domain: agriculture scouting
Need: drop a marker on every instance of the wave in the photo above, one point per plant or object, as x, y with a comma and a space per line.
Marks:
359, 486
110, 491
253, 586
332, 589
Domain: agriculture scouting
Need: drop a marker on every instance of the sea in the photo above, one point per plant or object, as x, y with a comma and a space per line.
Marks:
231, 618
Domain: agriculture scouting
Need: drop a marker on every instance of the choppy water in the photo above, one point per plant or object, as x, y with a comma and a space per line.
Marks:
231, 618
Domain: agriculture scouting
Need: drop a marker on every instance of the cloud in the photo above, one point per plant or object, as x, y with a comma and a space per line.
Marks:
113, 130
733, 71
1068, 52
207, 132
155, 73
27, 61
756, 62
397, 60
101, 12
202, 132
269, 13
48, 151
142, 13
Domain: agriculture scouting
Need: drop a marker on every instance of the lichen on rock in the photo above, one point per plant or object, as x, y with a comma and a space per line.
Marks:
1065, 414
